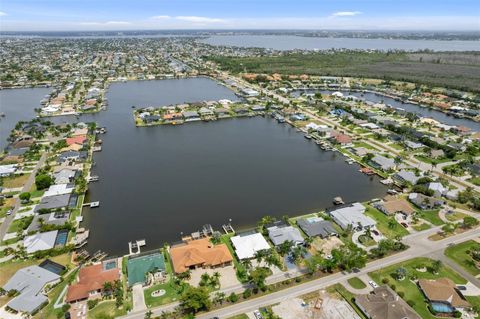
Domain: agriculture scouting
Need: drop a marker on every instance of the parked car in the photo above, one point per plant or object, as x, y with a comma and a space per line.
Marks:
376, 233
373, 284
9, 212
257, 314
405, 225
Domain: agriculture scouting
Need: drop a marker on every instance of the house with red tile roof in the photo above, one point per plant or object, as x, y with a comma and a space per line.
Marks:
79, 139
91, 280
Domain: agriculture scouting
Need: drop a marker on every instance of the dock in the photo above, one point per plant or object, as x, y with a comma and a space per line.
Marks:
134, 247
92, 204
228, 229
93, 178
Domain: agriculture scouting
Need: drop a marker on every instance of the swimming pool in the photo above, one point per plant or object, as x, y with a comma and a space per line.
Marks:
441, 307
61, 239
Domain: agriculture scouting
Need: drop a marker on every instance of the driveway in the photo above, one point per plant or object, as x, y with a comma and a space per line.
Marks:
138, 298
228, 277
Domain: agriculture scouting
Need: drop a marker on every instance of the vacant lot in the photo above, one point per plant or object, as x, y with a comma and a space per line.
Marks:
447, 69
460, 253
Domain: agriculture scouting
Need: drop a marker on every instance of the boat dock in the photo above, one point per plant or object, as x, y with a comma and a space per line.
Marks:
228, 228
134, 247
92, 204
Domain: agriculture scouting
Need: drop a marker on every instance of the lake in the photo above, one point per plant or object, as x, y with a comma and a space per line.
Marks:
18, 105
291, 42
157, 182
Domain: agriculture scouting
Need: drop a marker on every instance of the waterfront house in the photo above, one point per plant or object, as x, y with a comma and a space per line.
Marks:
280, 234
29, 283
172, 116
23, 142
258, 108
443, 291
91, 281
383, 163
413, 145
394, 206
65, 176
316, 226
199, 253
343, 139
146, 269
78, 139
425, 202
222, 112
241, 110
40, 241
384, 303
404, 177
151, 118
58, 189
190, 116
205, 112
72, 156
61, 201
248, 244
351, 215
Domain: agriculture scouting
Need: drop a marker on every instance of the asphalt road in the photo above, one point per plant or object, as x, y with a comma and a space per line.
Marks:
419, 246
26, 188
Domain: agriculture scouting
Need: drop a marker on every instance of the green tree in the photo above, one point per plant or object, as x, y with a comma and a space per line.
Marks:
258, 277
195, 299
43, 181
25, 197
469, 222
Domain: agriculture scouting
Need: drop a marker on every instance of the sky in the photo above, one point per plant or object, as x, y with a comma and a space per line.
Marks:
70, 15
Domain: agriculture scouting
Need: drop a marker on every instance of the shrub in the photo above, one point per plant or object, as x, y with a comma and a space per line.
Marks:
92, 303
385, 280
401, 294
233, 298
411, 303
247, 293
394, 288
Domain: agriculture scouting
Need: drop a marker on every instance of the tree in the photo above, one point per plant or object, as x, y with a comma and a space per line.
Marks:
400, 273
195, 299
258, 276
392, 223
148, 314
469, 222
284, 248
436, 265
43, 181
25, 197
449, 228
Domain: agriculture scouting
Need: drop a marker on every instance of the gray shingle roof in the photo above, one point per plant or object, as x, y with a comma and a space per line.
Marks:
316, 227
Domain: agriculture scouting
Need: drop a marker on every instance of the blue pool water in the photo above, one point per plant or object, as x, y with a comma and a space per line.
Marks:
441, 307
61, 239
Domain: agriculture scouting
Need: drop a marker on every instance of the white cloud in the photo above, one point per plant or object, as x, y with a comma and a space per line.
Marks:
346, 14
195, 19
2, 14
107, 23
161, 17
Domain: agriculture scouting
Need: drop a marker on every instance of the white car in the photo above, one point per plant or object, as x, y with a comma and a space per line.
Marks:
373, 284
257, 314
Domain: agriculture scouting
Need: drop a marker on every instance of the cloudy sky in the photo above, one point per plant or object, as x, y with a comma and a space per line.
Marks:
64, 15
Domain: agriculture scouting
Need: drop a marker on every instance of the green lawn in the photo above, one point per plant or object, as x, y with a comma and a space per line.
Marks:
455, 216
49, 312
430, 160
422, 226
430, 216
366, 241
242, 316
459, 254
104, 310
382, 223
408, 287
475, 180
356, 283
20, 224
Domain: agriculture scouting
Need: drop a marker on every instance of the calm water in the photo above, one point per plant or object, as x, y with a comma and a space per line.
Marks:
290, 42
18, 105
423, 111
160, 181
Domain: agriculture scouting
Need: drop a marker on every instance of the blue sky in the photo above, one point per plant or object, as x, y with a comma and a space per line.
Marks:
234, 14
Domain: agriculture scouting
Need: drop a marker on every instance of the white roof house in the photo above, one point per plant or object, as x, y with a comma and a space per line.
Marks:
40, 241
60, 189
6, 170
353, 215
438, 189
247, 245
29, 282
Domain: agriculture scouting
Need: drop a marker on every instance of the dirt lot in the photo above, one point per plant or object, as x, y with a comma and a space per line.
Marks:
228, 277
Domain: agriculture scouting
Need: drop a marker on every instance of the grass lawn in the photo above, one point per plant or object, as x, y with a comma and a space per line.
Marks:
242, 316
15, 181
409, 288
475, 180
366, 240
356, 283
382, 223
8, 203
459, 254
105, 309
474, 301
429, 160
422, 226
430, 216
20, 224
340, 291
453, 217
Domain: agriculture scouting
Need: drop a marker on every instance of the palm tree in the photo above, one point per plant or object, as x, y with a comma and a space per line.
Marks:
247, 263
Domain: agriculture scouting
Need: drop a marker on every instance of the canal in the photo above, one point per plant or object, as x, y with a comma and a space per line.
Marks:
410, 107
